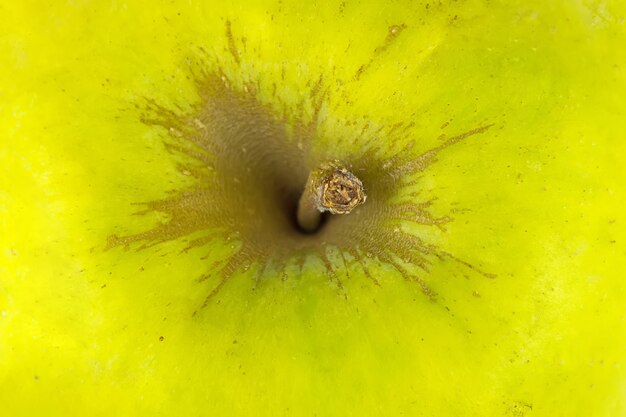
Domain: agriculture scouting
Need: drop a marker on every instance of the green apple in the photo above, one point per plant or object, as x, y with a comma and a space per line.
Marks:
153, 156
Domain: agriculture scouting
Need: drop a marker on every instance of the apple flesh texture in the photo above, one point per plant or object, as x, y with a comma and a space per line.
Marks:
85, 330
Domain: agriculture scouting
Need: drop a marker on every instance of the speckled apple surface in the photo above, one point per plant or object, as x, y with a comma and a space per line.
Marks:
483, 277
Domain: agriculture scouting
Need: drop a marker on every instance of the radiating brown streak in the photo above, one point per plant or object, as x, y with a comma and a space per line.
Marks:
392, 34
443, 254
232, 47
227, 273
423, 161
330, 271
367, 272
346, 267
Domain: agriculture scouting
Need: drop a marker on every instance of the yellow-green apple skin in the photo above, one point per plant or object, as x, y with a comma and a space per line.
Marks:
520, 310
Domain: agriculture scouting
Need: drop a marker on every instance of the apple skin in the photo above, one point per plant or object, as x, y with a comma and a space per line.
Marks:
537, 200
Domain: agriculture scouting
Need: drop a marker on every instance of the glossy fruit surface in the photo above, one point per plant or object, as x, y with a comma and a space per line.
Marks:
483, 277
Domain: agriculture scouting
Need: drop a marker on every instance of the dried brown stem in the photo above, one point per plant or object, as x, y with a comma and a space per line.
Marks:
330, 187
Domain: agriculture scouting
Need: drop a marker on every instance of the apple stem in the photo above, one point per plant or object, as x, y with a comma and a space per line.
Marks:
330, 187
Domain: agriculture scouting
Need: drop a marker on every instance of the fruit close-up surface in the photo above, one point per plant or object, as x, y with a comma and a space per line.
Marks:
325, 208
